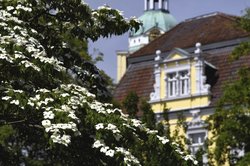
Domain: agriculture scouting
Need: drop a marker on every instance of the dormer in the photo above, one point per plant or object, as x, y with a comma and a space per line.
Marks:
180, 76
177, 71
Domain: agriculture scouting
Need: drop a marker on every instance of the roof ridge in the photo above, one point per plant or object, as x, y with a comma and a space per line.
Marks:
151, 47
211, 15
228, 16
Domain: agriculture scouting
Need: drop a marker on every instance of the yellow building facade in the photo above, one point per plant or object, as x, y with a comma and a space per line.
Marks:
180, 84
177, 73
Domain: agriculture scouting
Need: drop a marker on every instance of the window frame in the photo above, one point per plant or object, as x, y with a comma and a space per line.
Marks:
199, 144
177, 79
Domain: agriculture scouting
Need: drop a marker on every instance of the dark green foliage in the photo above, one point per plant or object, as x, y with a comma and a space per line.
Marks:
244, 48
130, 104
63, 28
166, 123
148, 115
231, 122
181, 125
47, 114
245, 161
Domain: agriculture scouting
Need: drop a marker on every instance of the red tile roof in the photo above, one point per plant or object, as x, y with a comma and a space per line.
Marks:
226, 72
139, 77
205, 29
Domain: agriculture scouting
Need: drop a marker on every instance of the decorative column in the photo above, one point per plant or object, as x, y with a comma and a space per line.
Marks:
157, 72
176, 85
166, 4
160, 4
145, 5
151, 5
201, 86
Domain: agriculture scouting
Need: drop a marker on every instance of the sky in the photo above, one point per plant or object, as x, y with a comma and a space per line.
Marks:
180, 9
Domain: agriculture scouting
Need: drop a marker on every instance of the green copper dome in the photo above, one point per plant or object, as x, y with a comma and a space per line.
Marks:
155, 18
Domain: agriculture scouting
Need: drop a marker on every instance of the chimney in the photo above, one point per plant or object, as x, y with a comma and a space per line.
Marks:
121, 64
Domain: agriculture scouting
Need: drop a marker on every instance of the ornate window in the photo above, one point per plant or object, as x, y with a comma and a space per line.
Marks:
196, 141
184, 82
197, 135
172, 84
178, 83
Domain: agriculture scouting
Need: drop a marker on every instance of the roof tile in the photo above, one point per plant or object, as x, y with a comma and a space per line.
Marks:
206, 30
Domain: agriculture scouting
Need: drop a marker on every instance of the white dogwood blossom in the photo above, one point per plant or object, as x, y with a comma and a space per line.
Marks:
164, 140
6, 98
65, 108
99, 126
16, 102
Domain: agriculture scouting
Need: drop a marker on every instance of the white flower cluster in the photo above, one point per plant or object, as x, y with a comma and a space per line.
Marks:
163, 140
129, 159
25, 8
16, 102
103, 108
5, 56
21, 37
6, 98
183, 155
151, 131
64, 139
50, 114
16, 9
41, 102
12, 100
135, 19
104, 7
128, 126
104, 149
136, 123
190, 157
28, 64
66, 99
111, 128
73, 95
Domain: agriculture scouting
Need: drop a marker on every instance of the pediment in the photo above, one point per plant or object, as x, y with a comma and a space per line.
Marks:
177, 54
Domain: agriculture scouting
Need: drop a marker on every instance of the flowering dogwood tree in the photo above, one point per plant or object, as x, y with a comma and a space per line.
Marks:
52, 110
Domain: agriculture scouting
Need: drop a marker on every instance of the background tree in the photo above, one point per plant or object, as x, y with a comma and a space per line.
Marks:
130, 104
230, 123
52, 109
244, 48
148, 116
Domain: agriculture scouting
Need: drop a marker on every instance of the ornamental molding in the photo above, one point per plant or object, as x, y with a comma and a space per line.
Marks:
199, 63
177, 68
157, 73
184, 55
196, 122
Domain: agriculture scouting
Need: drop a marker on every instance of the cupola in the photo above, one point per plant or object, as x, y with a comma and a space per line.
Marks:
156, 20
156, 5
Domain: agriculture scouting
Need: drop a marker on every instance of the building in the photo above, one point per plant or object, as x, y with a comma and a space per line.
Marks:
185, 69
156, 20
